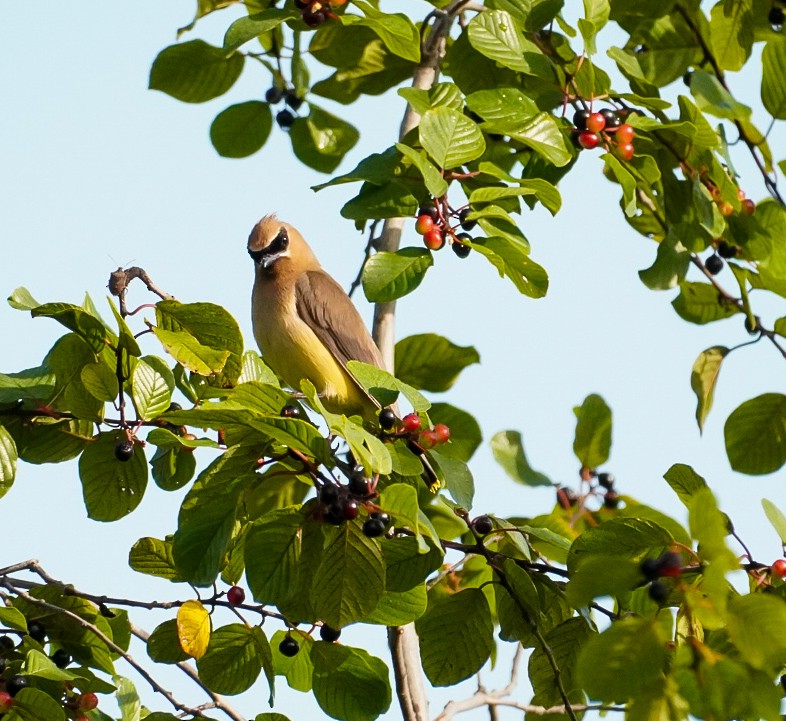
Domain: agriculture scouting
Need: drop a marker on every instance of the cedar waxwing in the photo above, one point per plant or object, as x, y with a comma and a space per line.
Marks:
304, 323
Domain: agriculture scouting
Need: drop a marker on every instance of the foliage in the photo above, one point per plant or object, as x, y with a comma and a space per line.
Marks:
621, 606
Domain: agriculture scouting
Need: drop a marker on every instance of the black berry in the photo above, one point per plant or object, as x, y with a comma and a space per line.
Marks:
373, 527
285, 119
430, 210
461, 250
462, 217
726, 251
483, 525
611, 118
315, 19
606, 480
302, 4
291, 412
328, 633
714, 264
387, 419
776, 16
358, 485
289, 647
335, 514
6, 645
351, 510
15, 684
670, 564
328, 494
611, 500
658, 592
380, 516
687, 77
294, 101
61, 658
36, 631
274, 95
124, 450
236, 595
174, 407
580, 118
650, 568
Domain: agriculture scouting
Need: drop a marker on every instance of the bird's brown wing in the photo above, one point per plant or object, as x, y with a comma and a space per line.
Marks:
328, 311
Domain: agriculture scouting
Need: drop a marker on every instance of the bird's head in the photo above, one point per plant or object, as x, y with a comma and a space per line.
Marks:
272, 241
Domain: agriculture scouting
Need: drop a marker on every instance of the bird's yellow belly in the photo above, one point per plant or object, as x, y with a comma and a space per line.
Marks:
295, 353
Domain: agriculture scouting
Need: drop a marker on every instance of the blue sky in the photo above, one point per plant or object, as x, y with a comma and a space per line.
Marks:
97, 172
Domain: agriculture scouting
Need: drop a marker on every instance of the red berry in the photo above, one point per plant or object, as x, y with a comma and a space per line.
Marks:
779, 567
725, 208
411, 422
236, 595
434, 239
428, 439
442, 432
596, 122
588, 139
740, 193
351, 510
748, 206
625, 151
624, 134
88, 701
424, 224
6, 701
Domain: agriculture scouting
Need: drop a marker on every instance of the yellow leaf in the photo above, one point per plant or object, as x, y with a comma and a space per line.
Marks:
193, 628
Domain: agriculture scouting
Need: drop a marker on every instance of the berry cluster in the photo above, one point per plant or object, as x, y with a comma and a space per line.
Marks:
410, 426
316, 12
669, 565
290, 647
433, 223
605, 127
285, 118
77, 704
611, 499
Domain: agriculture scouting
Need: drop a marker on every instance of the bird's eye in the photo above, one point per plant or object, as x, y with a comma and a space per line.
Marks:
279, 244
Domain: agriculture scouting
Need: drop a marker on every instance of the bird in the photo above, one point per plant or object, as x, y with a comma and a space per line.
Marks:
304, 323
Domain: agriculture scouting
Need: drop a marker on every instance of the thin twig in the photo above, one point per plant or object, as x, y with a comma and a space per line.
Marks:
366, 255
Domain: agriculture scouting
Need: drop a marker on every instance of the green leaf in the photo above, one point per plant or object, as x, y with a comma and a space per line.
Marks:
755, 435
242, 129
194, 71
21, 299
212, 326
596, 15
509, 106
385, 387
254, 369
436, 185
431, 362
544, 191
190, 353
684, 481
713, 99
396, 30
626, 180
508, 450
443, 93
111, 488
731, 33
32, 704
757, 627
252, 26
670, 266
512, 261
623, 661
76, 319
127, 699
455, 636
773, 77
388, 276
350, 578
389, 200
152, 385
450, 137
497, 35
272, 555
8, 459
100, 381
704, 377
541, 133
12, 618
153, 557
207, 515
31, 384
398, 608
592, 443
701, 303
776, 517
349, 683
67, 358
173, 467
234, 658
321, 140
45, 440
163, 645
